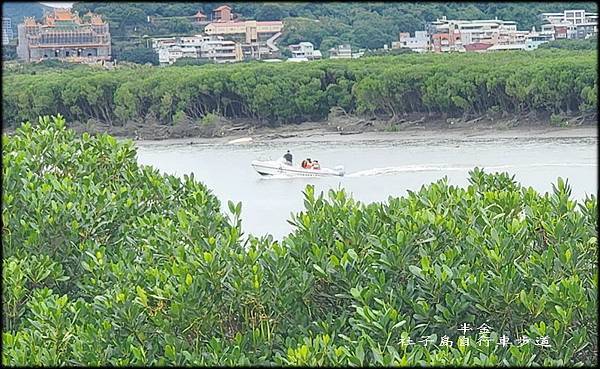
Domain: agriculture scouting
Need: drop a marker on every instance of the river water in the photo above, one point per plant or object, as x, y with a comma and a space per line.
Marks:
375, 169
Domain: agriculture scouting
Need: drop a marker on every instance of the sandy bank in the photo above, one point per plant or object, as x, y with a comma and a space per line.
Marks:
457, 134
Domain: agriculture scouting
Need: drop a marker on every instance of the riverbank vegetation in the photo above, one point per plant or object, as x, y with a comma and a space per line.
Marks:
551, 81
587, 44
107, 262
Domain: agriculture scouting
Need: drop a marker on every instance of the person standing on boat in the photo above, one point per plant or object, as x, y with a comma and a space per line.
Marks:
288, 158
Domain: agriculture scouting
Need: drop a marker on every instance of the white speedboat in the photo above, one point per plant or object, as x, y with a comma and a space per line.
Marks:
278, 167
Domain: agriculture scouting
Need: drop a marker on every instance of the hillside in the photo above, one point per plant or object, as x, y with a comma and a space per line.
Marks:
364, 25
16, 11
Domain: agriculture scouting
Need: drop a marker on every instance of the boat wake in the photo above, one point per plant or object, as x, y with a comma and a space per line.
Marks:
403, 169
438, 168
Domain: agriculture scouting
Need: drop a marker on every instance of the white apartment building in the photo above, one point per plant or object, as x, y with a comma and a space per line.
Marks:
7, 31
341, 52
304, 50
169, 55
157, 43
571, 24
418, 43
221, 51
571, 16
197, 47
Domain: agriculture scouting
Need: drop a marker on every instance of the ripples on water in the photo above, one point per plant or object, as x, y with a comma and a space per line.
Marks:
376, 169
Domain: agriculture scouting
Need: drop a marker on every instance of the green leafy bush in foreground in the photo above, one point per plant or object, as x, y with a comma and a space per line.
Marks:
107, 262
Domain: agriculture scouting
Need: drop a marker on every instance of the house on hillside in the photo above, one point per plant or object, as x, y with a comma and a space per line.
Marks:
304, 50
341, 52
418, 43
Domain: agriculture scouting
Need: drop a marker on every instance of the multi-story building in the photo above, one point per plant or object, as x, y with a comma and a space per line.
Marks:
454, 34
7, 31
65, 36
257, 39
444, 42
571, 16
571, 24
304, 50
222, 14
162, 42
221, 51
245, 31
341, 52
198, 47
419, 43
169, 55
535, 38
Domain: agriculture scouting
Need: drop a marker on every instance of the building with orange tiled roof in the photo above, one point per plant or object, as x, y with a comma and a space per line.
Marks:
257, 38
200, 17
222, 14
63, 35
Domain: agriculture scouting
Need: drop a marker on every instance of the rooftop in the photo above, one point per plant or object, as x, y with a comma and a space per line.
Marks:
477, 46
63, 15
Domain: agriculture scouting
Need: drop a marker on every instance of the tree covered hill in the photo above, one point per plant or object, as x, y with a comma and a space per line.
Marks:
16, 11
366, 25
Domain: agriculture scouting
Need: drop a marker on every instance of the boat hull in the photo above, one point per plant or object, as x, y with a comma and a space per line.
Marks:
270, 168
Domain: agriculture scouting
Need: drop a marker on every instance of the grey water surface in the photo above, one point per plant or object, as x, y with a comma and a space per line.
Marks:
375, 169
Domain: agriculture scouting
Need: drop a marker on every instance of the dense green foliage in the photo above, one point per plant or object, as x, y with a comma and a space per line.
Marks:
363, 25
110, 263
192, 61
140, 55
589, 44
454, 84
9, 52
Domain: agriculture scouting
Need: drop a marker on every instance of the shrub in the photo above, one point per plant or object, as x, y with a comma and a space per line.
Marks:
179, 117
558, 121
107, 262
209, 119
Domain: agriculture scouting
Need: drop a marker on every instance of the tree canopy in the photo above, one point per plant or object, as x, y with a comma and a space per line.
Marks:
551, 81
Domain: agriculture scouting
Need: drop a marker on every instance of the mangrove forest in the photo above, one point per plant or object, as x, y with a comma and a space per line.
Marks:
108, 262
548, 81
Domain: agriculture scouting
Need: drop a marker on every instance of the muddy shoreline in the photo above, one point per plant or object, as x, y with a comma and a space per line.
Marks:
415, 127
351, 128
